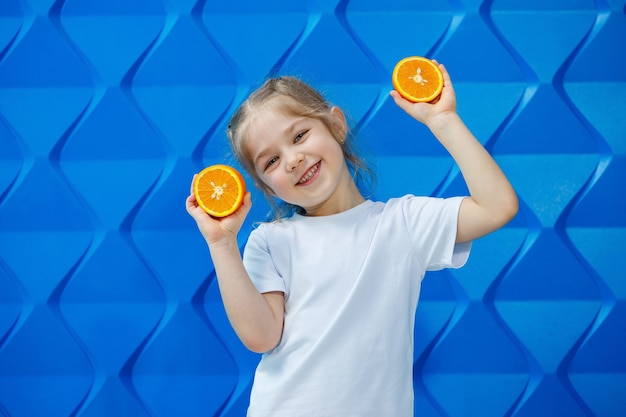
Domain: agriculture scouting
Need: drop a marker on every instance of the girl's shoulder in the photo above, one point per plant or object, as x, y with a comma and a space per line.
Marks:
407, 200
422, 209
420, 200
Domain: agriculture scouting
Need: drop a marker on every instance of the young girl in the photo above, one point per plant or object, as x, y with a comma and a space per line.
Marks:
328, 294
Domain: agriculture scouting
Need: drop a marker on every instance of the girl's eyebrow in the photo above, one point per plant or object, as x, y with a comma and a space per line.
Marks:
261, 155
263, 152
293, 127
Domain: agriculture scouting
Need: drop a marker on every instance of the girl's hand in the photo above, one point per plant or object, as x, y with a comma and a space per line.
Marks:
435, 111
216, 230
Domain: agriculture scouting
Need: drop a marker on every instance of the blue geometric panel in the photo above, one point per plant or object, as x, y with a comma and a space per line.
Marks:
45, 371
242, 32
130, 27
109, 305
10, 156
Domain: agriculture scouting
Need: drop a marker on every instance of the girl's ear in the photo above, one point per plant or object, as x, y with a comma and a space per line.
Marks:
341, 125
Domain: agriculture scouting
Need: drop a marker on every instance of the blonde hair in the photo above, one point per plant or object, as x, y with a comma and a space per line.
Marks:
300, 99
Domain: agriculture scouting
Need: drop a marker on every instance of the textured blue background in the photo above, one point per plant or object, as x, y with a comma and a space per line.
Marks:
108, 302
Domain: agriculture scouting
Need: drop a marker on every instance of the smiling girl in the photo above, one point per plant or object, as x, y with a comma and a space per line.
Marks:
328, 294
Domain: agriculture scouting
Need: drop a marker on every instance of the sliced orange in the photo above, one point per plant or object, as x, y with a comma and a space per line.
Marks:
219, 190
417, 79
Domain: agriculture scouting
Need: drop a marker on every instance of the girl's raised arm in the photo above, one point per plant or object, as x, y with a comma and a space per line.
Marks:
492, 202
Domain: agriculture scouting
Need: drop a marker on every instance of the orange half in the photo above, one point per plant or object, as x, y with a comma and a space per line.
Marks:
417, 79
219, 190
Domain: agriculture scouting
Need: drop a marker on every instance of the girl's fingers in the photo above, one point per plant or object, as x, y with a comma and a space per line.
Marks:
191, 205
191, 185
400, 101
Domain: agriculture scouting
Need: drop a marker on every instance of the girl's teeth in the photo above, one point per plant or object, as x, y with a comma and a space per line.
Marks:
308, 175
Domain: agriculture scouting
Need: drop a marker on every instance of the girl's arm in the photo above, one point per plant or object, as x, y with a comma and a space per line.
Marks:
256, 318
492, 202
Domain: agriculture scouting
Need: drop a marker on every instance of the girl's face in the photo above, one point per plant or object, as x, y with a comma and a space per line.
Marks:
301, 162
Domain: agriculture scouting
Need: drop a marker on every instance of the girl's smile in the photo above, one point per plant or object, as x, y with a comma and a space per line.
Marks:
310, 175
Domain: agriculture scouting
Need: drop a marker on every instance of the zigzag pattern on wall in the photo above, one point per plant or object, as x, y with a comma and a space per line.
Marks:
108, 302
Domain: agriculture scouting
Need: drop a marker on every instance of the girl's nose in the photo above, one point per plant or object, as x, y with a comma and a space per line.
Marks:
296, 159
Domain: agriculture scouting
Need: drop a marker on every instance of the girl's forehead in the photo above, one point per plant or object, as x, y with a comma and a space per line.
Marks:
265, 126
282, 105
275, 116
267, 118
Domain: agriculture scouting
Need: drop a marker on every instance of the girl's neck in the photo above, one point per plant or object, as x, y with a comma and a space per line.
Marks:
339, 203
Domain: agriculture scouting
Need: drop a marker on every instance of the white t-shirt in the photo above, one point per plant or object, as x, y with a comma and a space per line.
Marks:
351, 283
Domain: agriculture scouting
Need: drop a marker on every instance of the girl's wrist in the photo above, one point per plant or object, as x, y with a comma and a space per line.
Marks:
443, 121
224, 243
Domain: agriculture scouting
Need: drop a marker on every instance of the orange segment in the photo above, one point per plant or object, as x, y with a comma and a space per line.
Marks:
219, 190
417, 79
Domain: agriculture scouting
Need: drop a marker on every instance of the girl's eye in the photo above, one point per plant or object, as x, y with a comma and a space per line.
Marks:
300, 136
271, 162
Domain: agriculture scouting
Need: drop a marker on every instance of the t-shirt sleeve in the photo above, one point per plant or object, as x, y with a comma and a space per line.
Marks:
257, 259
432, 225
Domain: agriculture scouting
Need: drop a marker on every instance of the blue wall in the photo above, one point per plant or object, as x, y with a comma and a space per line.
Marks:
108, 302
